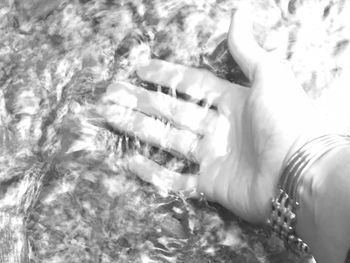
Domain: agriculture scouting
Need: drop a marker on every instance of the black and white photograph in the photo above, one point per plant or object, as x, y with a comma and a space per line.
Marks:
174, 131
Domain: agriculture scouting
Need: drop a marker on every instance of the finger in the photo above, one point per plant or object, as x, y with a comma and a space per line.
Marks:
198, 83
242, 45
159, 176
150, 130
182, 113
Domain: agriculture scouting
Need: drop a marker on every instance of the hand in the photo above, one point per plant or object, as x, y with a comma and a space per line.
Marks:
240, 146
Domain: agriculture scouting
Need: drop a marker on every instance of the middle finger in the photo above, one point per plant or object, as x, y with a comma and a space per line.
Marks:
151, 130
198, 83
182, 114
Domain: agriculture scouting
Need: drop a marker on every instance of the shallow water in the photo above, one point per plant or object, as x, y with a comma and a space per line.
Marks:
64, 193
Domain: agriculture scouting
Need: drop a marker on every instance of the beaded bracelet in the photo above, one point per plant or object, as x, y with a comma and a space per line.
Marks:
284, 205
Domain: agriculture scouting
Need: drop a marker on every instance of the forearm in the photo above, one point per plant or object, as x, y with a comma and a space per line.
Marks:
324, 213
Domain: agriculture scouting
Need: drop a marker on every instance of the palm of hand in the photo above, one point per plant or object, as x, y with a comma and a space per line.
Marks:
254, 133
240, 146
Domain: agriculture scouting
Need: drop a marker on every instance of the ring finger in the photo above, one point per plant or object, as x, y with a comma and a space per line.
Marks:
182, 114
151, 130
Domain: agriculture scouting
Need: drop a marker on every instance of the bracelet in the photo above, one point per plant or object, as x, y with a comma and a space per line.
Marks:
283, 217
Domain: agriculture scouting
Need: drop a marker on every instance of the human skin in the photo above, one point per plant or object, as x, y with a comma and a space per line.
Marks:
324, 213
241, 146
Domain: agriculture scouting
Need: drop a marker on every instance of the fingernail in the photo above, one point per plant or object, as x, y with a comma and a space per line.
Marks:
143, 68
143, 64
233, 11
243, 8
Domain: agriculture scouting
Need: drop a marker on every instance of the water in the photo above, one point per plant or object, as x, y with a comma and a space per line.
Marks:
64, 192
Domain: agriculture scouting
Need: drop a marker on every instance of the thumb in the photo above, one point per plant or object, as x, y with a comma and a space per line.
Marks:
242, 45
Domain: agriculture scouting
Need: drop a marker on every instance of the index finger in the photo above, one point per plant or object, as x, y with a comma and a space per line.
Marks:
198, 83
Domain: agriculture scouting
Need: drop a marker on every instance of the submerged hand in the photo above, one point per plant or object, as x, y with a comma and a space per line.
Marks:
240, 145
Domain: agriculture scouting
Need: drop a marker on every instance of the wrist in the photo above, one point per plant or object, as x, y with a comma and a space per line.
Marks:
268, 187
295, 208
323, 216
